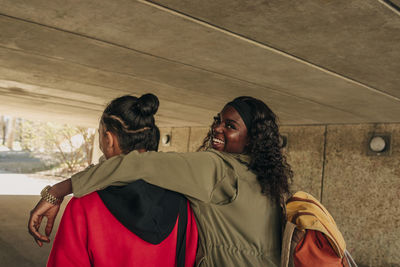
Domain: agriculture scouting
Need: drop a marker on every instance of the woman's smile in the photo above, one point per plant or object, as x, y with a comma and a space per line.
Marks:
218, 143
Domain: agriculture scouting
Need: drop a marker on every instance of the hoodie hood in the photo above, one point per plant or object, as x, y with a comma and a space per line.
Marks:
148, 211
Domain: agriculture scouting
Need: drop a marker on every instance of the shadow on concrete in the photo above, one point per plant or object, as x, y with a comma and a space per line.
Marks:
10, 256
17, 247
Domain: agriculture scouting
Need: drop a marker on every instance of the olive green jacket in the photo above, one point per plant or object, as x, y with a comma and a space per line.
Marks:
238, 226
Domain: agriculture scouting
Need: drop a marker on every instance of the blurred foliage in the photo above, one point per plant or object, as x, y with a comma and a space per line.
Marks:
71, 147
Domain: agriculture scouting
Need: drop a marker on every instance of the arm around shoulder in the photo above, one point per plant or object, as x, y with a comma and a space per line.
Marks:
193, 174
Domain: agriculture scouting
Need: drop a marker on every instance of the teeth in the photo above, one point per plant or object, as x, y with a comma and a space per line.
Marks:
215, 140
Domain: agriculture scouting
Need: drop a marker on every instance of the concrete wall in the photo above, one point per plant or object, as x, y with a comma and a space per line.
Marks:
187, 139
362, 192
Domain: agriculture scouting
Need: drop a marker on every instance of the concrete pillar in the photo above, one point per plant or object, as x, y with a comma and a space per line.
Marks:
10, 132
3, 129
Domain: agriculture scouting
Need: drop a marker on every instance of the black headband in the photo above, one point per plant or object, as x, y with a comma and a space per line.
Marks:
244, 111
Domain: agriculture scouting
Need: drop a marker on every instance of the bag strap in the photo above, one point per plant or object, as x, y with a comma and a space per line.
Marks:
286, 243
181, 238
350, 259
282, 203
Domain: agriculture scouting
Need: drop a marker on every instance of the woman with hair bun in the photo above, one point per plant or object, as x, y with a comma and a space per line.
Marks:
235, 185
135, 225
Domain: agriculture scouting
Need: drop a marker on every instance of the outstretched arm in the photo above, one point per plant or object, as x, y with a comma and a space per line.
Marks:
48, 210
196, 175
205, 176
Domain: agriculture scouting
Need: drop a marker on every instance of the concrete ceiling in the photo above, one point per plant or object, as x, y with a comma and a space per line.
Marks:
313, 62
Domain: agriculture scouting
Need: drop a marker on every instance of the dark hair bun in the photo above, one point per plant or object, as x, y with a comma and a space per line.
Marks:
146, 105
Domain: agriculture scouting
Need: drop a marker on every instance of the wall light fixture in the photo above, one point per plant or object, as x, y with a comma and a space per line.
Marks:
166, 139
284, 140
379, 144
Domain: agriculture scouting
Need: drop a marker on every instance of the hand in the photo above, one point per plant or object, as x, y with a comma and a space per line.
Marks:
42, 209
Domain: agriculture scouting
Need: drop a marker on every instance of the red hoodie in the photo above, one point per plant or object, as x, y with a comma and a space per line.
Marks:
91, 235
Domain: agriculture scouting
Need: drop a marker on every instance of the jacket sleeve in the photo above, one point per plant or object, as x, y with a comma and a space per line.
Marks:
70, 244
205, 176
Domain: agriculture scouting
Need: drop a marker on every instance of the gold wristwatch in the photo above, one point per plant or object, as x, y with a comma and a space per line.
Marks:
46, 196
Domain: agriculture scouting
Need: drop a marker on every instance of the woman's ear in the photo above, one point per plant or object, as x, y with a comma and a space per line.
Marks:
109, 138
112, 144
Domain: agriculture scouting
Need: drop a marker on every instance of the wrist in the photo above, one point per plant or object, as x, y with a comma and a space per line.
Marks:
50, 198
61, 189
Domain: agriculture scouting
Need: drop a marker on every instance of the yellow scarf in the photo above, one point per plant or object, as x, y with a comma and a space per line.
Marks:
306, 212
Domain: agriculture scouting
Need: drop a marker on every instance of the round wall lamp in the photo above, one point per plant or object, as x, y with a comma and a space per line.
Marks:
166, 139
379, 144
284, 140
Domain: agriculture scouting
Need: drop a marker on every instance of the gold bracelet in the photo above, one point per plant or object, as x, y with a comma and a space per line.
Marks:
46, 196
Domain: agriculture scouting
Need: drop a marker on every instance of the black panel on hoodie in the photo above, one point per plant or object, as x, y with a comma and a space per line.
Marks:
148, 211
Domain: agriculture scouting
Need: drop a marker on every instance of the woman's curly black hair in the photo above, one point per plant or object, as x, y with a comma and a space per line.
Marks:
265, 149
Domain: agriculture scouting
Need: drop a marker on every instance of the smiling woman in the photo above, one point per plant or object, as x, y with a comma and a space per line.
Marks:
229, 132
248, 126
240, 173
